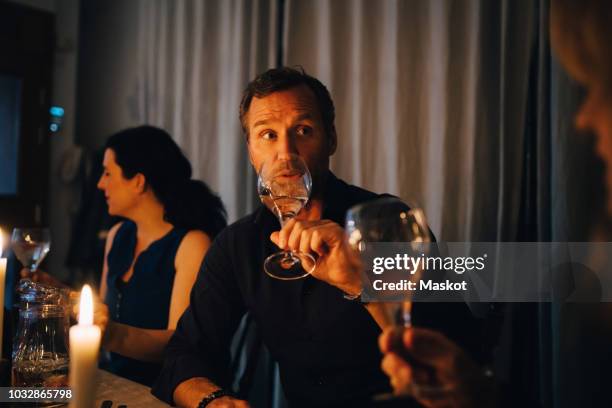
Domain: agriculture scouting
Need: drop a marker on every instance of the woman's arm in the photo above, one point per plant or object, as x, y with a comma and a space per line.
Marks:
134, 342
189, 257
149, 344
107, 247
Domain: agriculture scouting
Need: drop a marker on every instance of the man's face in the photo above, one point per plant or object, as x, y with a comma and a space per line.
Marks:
286, 122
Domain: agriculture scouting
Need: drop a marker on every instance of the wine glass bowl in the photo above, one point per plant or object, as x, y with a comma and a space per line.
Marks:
30, 246
284, 186
389, 220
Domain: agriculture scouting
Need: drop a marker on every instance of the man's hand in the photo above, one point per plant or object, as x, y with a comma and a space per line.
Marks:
336, 264
228, 402
421, 358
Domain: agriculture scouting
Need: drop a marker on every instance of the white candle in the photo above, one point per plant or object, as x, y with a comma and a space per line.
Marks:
84, 348
2, 283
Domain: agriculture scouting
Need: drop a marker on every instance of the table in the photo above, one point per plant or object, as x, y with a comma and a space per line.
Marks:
122, 391
118, 390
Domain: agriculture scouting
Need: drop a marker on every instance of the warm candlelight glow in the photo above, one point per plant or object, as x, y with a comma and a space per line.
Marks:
86, 307
1, 242
84, 348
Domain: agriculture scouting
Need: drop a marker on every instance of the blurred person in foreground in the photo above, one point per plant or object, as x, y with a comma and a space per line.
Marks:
581, 36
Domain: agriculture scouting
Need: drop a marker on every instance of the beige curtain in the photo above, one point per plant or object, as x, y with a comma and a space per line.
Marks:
194, 58
430, 101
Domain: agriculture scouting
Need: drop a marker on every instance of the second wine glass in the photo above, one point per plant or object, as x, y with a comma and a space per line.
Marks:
389, 220
284, 186
31, 246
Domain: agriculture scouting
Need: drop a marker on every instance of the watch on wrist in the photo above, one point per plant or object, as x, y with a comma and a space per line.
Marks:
213, 396
353, 298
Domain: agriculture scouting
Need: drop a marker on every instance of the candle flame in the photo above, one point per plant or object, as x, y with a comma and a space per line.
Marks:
28, 239
86, 307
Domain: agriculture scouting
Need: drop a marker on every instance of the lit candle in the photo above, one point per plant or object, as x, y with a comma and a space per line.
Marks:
84, 347
2, 280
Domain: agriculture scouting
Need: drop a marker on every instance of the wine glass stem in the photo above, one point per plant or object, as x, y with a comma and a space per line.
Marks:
283, 219
407, 314
287, 256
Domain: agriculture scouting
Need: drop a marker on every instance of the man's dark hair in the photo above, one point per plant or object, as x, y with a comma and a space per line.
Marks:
280, 79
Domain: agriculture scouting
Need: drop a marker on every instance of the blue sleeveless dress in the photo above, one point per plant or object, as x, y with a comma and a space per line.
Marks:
144, 301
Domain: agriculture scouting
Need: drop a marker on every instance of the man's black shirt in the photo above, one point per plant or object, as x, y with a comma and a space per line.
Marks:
326, 346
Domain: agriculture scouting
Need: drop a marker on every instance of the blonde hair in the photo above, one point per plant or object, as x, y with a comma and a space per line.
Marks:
581, 33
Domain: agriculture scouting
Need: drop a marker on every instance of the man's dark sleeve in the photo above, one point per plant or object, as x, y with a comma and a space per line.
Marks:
200, 347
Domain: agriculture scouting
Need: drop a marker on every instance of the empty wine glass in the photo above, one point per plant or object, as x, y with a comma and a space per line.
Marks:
30, 246
284, 186
390, 220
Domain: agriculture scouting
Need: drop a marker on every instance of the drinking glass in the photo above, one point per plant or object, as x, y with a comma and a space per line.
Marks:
30, 246
284, 186
40, 346
390, 220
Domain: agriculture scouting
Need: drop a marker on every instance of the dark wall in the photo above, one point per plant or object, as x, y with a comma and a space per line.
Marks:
106, 90
26, 41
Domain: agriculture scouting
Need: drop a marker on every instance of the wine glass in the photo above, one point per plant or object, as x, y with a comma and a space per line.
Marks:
389, 220
30, 246
284, 186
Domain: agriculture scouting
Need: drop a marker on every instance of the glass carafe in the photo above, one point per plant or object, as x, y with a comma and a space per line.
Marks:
40, 346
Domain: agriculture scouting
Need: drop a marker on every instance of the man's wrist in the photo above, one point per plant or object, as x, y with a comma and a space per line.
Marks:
220, 393
190, 392
355, 297
352, 290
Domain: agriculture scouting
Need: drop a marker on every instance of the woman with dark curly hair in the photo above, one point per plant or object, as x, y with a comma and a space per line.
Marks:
152, 257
